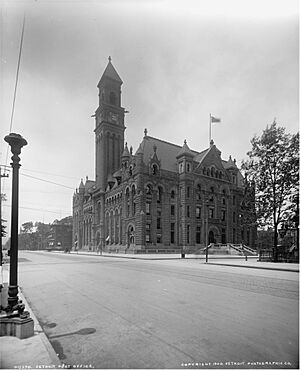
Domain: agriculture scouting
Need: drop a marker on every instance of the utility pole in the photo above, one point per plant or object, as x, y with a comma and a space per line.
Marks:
1, 254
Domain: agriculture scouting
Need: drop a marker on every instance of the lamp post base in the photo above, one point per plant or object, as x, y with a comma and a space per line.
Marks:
14, 321
16, 327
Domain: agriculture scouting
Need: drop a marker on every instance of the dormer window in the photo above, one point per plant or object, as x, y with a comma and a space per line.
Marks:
154, 169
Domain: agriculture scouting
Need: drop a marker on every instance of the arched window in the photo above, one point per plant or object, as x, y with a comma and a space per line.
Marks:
149, 189
127, 202
133, 191
112, 98
130, 170
173, 194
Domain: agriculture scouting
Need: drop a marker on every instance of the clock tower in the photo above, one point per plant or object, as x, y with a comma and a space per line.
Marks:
109, 131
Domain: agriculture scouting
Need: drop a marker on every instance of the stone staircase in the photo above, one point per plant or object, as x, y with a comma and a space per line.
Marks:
228, 249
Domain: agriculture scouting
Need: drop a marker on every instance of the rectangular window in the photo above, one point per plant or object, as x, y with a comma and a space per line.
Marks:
198, 212
188, 234
198, 234
128, 208
147, 208
233, 217
172, 210
172, 232
187, 211
233, 200
148, 233
233, 236
158, 239
188, 190
211, 213
223, 215
158, 220
223, 236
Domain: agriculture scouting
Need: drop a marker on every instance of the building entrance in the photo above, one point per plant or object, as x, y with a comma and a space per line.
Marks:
211, 237
130, 235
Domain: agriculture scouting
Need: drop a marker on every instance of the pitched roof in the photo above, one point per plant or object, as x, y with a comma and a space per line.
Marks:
125, 151
185, 150
166, 152
111, 73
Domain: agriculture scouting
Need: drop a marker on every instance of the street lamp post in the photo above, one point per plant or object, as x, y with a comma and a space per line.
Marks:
16, 322
16, 142
206, 234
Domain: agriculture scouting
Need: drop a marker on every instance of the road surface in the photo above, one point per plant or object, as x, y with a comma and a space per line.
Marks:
106, 312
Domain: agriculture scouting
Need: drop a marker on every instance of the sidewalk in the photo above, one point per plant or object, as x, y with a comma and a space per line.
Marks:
30, 353
223, 260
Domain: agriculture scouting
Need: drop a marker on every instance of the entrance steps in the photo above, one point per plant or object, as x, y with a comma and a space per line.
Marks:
228, 249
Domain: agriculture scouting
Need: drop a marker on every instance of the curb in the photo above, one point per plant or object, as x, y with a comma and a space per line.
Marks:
38, 330
179, 258
253, 267
139, 257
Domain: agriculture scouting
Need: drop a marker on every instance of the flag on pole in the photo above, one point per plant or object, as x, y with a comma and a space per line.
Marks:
214, 119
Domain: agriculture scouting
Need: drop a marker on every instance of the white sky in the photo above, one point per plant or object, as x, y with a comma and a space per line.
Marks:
179, 61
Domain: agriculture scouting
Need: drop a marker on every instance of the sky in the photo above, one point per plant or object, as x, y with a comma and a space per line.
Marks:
180, 60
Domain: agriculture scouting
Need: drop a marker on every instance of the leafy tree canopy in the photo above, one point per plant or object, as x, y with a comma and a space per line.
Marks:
27, 227
273, 166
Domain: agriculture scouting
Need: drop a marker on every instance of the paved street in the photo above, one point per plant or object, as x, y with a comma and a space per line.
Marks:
121, 313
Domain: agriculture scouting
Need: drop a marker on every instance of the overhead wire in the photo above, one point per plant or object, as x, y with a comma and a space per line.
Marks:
16, 84
38, 178
39, 209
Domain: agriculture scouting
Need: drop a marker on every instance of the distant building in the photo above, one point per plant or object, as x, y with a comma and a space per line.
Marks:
60, 236
163, 195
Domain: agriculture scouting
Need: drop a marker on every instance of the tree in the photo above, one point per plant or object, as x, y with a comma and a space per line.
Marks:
27, 227
274, 168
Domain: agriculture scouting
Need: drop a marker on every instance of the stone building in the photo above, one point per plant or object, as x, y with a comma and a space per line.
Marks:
163, 196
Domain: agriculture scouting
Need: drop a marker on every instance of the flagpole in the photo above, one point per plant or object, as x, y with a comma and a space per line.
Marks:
209, 139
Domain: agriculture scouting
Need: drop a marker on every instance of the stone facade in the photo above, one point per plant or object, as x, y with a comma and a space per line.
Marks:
163, 196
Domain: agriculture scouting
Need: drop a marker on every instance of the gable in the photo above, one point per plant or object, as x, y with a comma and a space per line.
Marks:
212, 158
